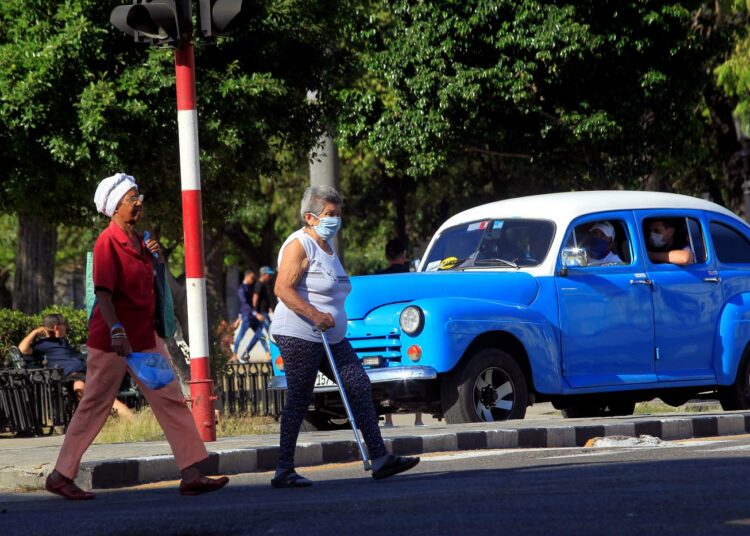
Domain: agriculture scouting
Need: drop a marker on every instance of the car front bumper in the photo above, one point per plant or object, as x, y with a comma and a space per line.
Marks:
377, 375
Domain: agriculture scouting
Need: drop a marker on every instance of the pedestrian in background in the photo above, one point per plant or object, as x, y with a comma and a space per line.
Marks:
263, 299
312, 286
122, 322
50, 342
395, 254
250, 318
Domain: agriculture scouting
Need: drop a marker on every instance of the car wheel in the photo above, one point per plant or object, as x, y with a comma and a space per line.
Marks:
316, 421
598, 409
491, 387
737, 395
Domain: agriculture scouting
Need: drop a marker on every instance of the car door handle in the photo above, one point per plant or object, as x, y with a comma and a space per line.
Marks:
712, 279
640, 281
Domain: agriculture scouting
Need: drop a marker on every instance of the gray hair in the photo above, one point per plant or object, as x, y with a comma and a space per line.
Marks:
315, 198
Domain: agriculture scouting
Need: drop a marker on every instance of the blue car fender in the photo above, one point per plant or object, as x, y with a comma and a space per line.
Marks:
732, 337
451, 325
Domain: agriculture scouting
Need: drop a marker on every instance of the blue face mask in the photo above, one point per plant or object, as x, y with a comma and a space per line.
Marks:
327, 227
598, 247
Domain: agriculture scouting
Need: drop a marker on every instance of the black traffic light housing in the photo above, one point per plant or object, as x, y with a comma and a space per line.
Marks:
222, 17
156, 22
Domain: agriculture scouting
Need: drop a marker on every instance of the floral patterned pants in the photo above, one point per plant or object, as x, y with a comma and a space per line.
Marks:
302, 360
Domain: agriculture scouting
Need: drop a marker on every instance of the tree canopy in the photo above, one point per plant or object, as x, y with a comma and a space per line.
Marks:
437, 106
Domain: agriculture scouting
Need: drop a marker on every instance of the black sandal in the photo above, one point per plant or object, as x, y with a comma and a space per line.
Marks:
290, 479
395, 465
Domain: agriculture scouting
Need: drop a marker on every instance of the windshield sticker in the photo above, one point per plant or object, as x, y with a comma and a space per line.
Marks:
448, 263
432, 266
498, 224
479, 226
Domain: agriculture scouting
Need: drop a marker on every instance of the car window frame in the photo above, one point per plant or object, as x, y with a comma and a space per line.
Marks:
671, 213
625, 217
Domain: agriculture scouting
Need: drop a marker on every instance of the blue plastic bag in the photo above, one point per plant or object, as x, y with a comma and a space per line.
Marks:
151, 369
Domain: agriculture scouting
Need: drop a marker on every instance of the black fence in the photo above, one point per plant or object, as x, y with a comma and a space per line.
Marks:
244, 390
34, 401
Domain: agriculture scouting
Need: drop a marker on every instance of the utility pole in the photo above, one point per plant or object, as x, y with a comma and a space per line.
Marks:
324, 166
168, 23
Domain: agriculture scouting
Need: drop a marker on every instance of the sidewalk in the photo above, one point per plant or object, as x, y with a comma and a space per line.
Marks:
24, 463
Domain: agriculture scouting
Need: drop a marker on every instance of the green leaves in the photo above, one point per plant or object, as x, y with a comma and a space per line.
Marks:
548, 80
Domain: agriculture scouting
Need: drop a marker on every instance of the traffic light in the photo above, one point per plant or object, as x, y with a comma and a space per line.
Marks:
156, 22
222, 17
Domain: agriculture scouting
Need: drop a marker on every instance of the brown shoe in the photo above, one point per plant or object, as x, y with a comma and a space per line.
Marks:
202, 484
65, 487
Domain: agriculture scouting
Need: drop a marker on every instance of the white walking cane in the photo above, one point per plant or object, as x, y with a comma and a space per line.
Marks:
327, 347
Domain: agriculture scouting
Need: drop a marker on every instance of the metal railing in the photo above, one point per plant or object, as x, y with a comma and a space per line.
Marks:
34, 401
244, 390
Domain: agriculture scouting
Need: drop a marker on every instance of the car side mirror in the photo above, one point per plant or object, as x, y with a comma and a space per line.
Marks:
415, 265
574, 257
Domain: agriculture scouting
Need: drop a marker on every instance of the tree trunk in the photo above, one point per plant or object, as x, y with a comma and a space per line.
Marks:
6, 297
215, 302
400, 202
33, 286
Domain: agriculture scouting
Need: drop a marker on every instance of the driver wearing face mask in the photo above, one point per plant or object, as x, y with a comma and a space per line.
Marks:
662, 246
600, 243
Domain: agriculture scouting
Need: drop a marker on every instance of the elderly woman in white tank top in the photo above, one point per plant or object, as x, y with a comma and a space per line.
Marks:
312, 286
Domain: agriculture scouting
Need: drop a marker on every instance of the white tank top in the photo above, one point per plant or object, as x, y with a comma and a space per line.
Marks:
325, 285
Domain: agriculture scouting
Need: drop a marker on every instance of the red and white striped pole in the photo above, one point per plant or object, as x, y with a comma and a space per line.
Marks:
201, 386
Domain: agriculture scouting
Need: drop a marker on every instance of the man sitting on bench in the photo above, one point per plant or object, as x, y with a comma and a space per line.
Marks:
49, 342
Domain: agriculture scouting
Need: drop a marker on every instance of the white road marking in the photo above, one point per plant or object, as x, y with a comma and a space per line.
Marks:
474, 454
589, 451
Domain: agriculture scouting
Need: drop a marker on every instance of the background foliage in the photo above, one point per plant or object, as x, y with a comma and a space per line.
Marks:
436, 106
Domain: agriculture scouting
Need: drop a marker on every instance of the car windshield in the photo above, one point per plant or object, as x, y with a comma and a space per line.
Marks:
491, 243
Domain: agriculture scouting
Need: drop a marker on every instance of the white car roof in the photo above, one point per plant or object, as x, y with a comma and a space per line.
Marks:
566, 206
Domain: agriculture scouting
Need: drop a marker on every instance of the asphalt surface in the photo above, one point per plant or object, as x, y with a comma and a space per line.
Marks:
677, 487
24, 463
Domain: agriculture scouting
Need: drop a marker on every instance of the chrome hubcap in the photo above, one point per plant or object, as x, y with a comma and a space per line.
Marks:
494, 395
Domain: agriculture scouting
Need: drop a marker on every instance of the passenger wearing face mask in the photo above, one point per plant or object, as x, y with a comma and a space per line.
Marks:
663, 245
312, 287
600, 243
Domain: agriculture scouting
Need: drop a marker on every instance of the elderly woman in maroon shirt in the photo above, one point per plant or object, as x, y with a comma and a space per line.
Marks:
123, 322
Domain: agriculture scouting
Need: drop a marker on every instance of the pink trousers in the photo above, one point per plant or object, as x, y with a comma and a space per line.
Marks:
104, 374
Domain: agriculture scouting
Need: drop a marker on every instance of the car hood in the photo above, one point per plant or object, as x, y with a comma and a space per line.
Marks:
373, 291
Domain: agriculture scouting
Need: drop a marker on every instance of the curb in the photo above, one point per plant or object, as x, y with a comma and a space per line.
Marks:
142, 470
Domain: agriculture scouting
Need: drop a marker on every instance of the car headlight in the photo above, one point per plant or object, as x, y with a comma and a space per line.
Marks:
411, 319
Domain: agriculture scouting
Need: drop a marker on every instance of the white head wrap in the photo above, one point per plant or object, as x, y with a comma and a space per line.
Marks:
110, 191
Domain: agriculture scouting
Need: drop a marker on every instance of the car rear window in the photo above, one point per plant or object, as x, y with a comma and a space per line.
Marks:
731, 246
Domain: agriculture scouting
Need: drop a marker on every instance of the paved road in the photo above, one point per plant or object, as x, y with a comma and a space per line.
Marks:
682, 487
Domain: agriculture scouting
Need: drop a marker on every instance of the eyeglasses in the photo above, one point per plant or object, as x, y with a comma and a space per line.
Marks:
133, 199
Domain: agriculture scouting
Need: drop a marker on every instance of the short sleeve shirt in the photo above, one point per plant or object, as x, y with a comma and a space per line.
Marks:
58, 353
265, 300
128, 275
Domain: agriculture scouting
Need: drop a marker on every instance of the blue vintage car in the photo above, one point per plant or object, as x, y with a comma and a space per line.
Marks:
591, 300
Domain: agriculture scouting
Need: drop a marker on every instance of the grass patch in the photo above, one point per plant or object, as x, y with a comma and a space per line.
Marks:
144, 427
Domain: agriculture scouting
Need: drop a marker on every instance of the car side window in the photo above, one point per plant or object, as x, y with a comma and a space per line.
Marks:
731, 246
664, 234
606, 242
